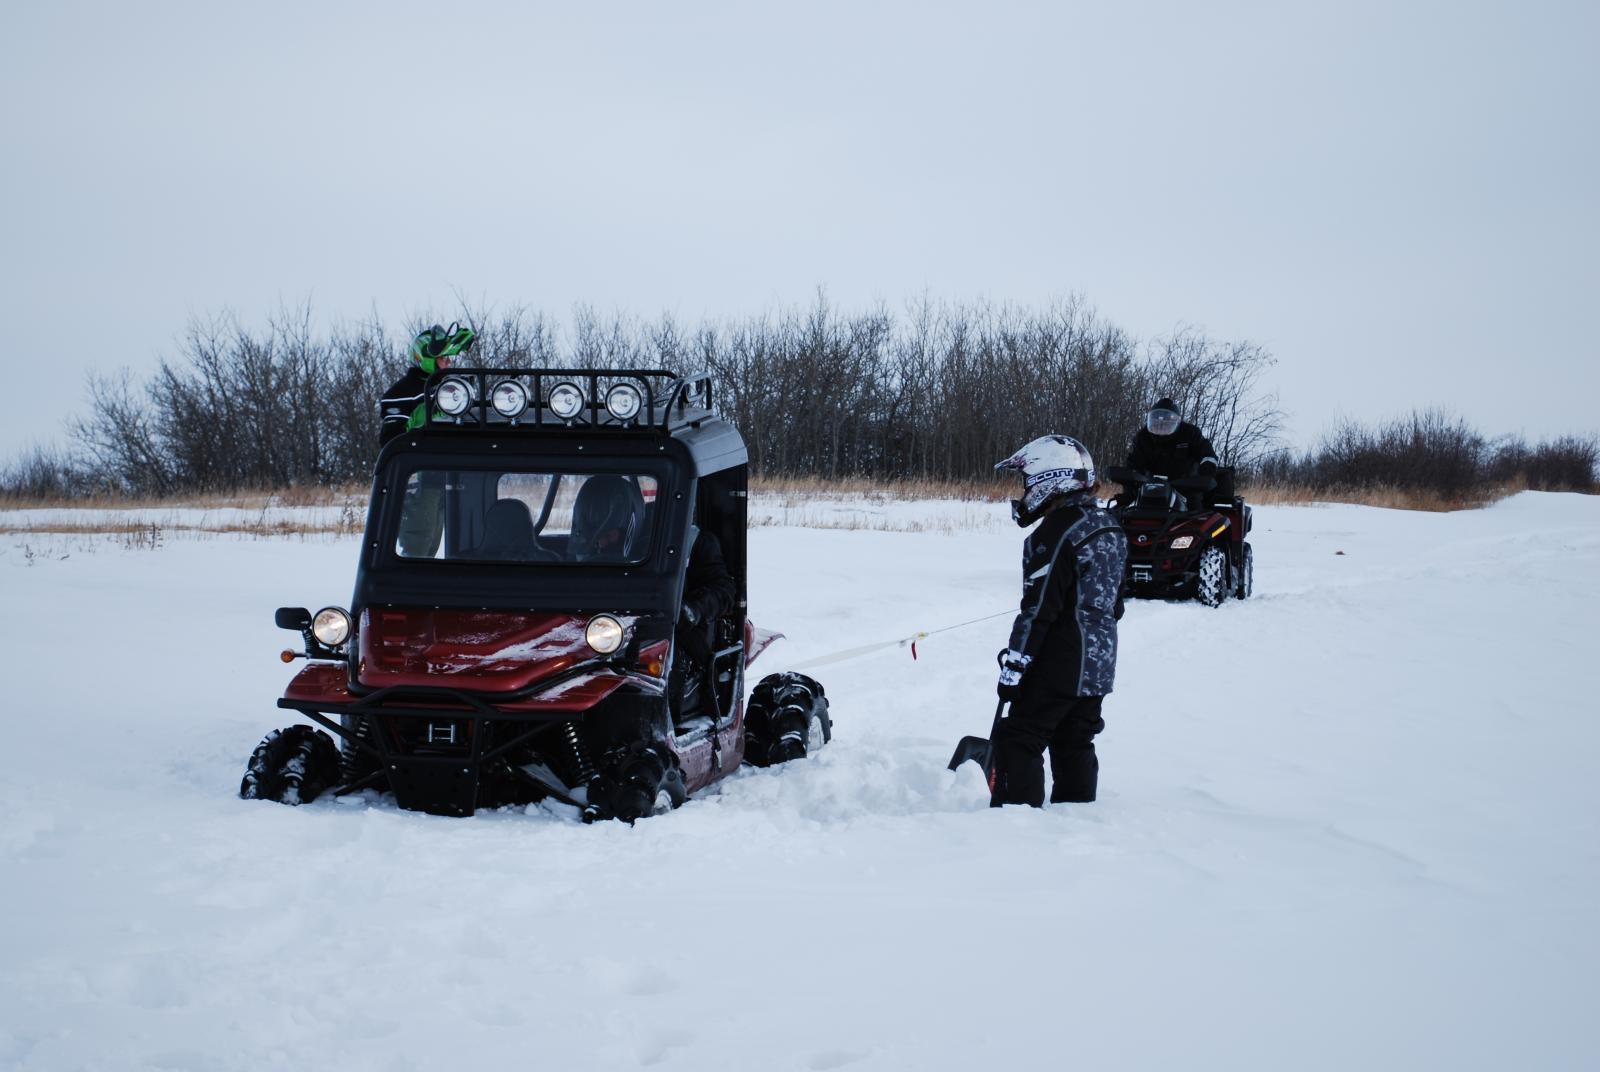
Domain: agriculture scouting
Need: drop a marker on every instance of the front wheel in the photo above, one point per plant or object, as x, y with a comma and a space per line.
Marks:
1212, 587
292, 766
1247, 575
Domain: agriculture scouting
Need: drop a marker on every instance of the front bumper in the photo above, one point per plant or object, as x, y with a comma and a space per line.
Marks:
432, 743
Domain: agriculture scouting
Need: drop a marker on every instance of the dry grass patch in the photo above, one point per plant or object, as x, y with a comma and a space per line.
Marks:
1384, 497
301, 496
802, 488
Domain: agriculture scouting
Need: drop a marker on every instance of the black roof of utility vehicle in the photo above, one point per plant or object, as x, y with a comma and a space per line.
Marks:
674, 437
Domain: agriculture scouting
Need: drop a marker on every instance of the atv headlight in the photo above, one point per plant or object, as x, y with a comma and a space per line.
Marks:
565, 400
623, 401
331, 627
1183, 543
453, 396
509, 399
604, 634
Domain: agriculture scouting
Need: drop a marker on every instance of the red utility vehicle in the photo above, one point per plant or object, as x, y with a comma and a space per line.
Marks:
515, 630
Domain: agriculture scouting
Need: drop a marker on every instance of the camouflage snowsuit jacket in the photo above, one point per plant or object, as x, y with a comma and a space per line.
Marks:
1072, 567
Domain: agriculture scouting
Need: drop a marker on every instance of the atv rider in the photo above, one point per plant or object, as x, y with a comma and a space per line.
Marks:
1062, 658
1171, 447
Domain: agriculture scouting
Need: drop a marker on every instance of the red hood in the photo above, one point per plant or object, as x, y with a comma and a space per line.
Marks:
487, 651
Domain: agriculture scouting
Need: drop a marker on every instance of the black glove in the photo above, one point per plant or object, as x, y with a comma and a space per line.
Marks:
1013, 664
689, 616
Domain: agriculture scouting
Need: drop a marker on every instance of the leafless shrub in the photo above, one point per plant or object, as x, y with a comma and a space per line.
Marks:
1568, 463
1427, 460
43, 473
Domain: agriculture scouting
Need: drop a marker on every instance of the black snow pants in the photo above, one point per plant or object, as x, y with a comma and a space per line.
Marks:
1067, 726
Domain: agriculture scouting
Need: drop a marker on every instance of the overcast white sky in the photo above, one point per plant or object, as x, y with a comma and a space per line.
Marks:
1401, 201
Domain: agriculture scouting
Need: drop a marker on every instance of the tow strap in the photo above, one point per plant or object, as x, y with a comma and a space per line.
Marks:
899, 642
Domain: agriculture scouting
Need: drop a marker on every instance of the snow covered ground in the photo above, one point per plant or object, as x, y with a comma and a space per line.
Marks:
1349, 823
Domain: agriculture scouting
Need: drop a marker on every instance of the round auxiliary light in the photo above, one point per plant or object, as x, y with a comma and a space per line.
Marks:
509, 398
623, 401
604, 634
331, 627
453, 396
565, 400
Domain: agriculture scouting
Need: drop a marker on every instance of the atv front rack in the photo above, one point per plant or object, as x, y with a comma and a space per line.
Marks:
666, 400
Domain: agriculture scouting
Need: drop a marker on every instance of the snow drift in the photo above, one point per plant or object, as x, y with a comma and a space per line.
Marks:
1351, 821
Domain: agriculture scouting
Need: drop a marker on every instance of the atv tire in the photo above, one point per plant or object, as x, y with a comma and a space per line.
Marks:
1246, 581
787, 718
1212, 586
291, 766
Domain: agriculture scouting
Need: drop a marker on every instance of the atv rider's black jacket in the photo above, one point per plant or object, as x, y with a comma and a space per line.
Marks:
1184, 453
1072, 566
400, 401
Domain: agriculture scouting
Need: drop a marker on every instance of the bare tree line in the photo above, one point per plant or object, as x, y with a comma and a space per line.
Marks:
937, 391
1433, 451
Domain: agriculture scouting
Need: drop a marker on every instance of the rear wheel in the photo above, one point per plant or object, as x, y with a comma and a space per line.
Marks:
1247, 575
1212, 587
787, 718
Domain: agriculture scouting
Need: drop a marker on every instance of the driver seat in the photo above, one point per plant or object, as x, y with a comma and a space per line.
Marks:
507, 532
607, 520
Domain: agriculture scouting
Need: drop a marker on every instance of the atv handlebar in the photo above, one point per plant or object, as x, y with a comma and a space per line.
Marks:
1134, 477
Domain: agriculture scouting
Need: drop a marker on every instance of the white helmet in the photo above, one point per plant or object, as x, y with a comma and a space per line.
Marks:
1051, 466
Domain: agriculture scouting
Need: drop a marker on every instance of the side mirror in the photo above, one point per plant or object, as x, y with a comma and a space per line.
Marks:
296, 618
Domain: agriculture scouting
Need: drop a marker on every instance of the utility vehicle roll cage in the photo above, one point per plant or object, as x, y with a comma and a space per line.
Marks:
665, 400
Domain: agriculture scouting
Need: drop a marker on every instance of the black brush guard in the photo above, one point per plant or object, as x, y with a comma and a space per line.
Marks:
445, 780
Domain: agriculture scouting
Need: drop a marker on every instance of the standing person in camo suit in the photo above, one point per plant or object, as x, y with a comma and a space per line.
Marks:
1062, 659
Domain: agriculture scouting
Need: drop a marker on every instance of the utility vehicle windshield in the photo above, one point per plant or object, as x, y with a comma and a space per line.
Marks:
483, 515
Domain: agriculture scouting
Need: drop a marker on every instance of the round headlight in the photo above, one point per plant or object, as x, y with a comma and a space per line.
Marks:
623, 401
453, 396
509, 398
566, 400
604, 634
331, 627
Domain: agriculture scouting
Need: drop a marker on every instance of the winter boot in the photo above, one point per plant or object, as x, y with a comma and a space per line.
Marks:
1075, 774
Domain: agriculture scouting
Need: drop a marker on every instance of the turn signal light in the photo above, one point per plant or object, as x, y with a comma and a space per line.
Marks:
286, 655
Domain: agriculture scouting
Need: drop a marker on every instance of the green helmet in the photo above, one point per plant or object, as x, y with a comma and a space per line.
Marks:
433, 348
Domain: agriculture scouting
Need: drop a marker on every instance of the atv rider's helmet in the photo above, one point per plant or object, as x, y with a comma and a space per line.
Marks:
1053, 467
436, 347
1163, 418
607, 519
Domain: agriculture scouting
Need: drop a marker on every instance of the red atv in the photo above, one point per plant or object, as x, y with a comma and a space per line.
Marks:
498, 651
1186, 539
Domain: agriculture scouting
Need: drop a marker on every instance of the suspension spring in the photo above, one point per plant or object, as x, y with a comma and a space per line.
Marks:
580, 756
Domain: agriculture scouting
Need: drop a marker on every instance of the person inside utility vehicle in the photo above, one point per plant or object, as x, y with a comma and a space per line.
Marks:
709, 593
